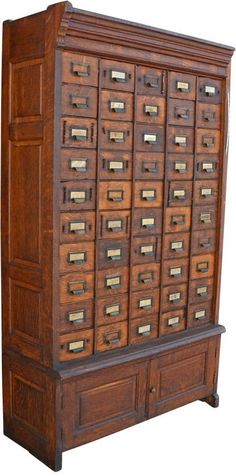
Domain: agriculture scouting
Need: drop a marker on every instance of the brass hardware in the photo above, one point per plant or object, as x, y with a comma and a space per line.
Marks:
176, 272
116, 136
77, 287
82, 70
148, 222
77, 257
147, 250
80, 102
148, 194
150, 138
202, 291
149, 167
78, 196
178, 219
203, 267
173, 321
174, 297
79, 134
112, 338
119, 76
116, 165
206, 192
205, 217
80, 165
182, 86
77, 227
115, 195
208, 141
181, 167
208, 167
209, 90
144, 330
77, 346
117, 106
145, 277
181, 113
145, 303
76, 317
113, 281
151, 110
113, 310
114, 254
179, 194
151, 81
177, 246
200, 315
114, 225
181, 141
205, 243
209, 116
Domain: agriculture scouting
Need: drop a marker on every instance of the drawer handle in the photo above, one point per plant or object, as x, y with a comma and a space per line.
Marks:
78, 196
176, 272
76, 317
174, 297
77, 227
145, 303
207, 167
144, 330
113, 310
204, 244
117, 136
150, 168
182, 86
112, 338
209, 116
116, 106
181, 141
205, 217
77, 257
179, 194
113, 282
119, 76
148, 222
178, 219
173, 321
200, 315
77, 346
208, 142
82, 70
79, 134
209, 90
177, 246
152, 81
80, 165
202, 291
114, 225
148, 195
115, 195
180, 167
146, 277
150, 138
206, 192
77, 287
114, 254
202, 267
147, 250
79, 102
151, 110
116, 165
181, 113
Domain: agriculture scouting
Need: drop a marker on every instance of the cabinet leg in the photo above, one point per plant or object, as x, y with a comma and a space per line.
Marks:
212, 400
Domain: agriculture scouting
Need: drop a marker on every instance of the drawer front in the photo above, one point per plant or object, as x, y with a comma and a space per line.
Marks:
209, 90
145, 277
207, 141
175, 271
115, 224
116, 105
207, 167
116, 135
180, 139
114, 195
79, 101
202, 266
200, 314
151, 81
75, 227
146, 249
74, 317
150, 138
115, 165
179, 167
113, 253
112, 309
177, 219
148, 194
78, 164
174, 296
181, 113
147, 222
112, 336
176, 245
203, 241
77, 257
143, 329
78, 195
149, 166
111, 282
180, 193
145, 302
173, 321
182, 86
151, 109
76, 287
79, 69
208, 115
204, 217
76, 345
205, 192
200, 290
117, 75
79, 132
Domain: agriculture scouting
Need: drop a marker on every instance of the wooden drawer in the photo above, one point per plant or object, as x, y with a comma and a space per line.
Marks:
200, 314
114, 224
78, 164
115, 165
74, 317
76, 287
177, 219
77, 257
116, 106
112, 309
207, 141
174, 296
209, 90
114, 195
204, 217
150, 138
117, 75
146, 249
180, 193
77, 226
208, 115
173, 321
151, 81
77, 195
143, 329
116, 135
79, 132
79, 69
179, 167
147, 221
181, 113
113, 253
112, 336
150, 109
145, 302
175, 271
76, 345
180, 139
205, 192
148, 194
145, 277
207, 167
176, 245
111, 282
79, 100
181, 85
149, 166
203, 241
200, 290
202, 266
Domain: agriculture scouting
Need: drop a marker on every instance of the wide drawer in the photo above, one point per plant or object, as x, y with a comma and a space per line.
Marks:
145, 302
112, 309
149, 166
143, 329
75, 226
112, 336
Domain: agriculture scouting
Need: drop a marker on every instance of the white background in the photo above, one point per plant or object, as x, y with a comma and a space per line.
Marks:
196, 439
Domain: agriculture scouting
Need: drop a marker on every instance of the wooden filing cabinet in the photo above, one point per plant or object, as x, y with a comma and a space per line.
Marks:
114, 173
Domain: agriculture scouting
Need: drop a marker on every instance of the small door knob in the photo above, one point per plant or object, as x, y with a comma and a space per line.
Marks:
152, 390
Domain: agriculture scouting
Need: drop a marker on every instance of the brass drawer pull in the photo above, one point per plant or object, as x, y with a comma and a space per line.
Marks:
152, 81
200, 315
204, 243
77, 346
77, 227
206, 192
181, 113
176, 246
79, 134
145, 303
181, 141
149, 167
147, 250
202, 291
208, 141
77, 257
113, 310
180, 167
173, 321
113, 338
77, 287
209, 116
80, 165
148, 195
175, 271
113, 282
117, 106
151, 110
208, 167
114, 225
78, 196
144, 330
146, 277
205, 218
203, 267
182, 86
114, 254
116, 136
150, 138
119, 76
179, 194
115, 195
148, 222
80, 102
174, 297
178, 219
116, 165
76, 317
82, 70
209, 90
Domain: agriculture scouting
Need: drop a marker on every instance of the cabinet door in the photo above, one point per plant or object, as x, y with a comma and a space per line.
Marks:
103, 402
182, 376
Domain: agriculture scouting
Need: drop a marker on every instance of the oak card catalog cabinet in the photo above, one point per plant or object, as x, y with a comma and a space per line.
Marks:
114, 172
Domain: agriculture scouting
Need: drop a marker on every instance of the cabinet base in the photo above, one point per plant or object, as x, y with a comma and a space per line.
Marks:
213, 400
